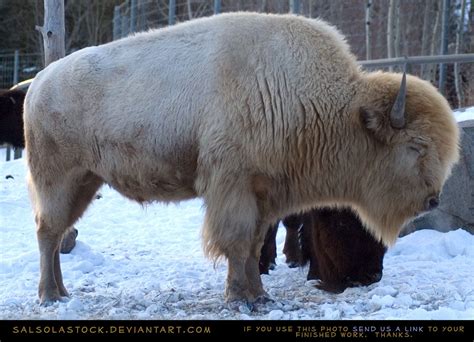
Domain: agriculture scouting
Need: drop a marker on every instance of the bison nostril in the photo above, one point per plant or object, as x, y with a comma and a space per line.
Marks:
432, 203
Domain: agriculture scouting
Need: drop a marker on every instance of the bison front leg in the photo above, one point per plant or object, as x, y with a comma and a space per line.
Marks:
237, 285
229, 230
252, 268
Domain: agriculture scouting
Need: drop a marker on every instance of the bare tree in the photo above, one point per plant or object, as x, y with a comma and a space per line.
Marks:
427, 32
53, 31
390, 29
368, 14
459, 42
396, 29
88, 22
190, 10
434, 44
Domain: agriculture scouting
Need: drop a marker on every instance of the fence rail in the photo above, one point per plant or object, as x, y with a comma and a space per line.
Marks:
387, 62
16, 67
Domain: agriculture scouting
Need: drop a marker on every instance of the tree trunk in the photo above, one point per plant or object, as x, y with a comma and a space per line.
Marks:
396, 29
435, 41
190, 10
53, 31
444, 45
427, 34
459, 42
390, 27
368, 12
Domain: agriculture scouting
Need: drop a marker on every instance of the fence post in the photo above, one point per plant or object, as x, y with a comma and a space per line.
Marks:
295, 6
444, 45
172, 12
17, 153
125, 25
117, 23
9, 152
217, 6
16, 66
133, 15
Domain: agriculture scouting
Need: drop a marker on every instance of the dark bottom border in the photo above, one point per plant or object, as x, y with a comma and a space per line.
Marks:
315, 330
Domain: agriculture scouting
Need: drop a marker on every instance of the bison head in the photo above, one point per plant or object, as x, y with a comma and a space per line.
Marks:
410, 142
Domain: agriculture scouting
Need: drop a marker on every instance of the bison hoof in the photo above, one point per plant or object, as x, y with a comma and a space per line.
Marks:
293, 264
264, 269
333, 288
50, 299
242, 306
264, 299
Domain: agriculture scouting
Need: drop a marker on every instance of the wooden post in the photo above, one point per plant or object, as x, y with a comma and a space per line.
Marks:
217, 6
295, 6
172, 12
117, 24
133, 15
444, 46
53, 31
16, 66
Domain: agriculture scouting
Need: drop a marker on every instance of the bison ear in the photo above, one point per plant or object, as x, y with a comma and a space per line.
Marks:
375, 123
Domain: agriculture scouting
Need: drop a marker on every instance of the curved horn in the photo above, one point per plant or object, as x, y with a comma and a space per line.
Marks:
397, 115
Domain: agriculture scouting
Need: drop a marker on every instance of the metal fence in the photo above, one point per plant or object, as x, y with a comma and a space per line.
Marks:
16, 67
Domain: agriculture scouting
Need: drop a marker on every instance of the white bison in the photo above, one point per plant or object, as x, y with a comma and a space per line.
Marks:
260, 115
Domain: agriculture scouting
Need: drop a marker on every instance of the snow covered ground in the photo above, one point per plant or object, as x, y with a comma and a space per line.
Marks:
464, 114
134, 262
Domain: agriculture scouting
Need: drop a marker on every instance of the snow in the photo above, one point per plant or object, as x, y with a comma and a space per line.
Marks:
464, 114
134, 262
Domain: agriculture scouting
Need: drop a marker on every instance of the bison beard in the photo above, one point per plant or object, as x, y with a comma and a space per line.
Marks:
340, 251
259, 115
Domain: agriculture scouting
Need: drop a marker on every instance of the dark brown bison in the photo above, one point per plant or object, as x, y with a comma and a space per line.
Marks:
340, 251
292, 246
260, 115
11, 117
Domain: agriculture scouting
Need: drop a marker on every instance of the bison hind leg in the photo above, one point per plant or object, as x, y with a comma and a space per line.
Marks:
268, 252
59, 201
